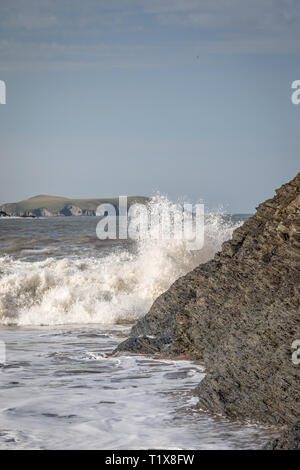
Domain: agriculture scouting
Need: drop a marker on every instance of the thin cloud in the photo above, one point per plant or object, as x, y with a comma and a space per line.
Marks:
142, 33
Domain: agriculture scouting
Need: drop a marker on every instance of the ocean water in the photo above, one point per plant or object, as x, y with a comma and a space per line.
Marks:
66, 300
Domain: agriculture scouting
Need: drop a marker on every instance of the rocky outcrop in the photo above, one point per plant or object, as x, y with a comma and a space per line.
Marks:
3, 214
239, 313
70, 209
43, 212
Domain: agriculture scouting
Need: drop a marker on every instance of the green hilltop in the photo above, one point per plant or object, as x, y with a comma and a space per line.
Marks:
45, 205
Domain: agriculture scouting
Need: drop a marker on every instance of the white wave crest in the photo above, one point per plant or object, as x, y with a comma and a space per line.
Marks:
116, 288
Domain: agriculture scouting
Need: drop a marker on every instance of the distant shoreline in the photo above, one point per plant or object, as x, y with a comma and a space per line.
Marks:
55, 206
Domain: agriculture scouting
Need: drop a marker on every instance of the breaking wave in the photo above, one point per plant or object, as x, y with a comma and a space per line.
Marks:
119, 287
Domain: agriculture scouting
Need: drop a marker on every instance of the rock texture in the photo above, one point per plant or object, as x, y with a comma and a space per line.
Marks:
240, 314
290, 439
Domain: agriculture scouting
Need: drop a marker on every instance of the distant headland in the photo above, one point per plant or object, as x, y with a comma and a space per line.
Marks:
54, 206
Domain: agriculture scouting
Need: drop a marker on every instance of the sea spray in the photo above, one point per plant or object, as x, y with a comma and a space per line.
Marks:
119, 286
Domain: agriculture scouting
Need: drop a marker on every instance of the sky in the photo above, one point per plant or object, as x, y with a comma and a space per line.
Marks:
189, 98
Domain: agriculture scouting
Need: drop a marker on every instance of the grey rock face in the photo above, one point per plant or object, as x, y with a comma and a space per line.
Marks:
239, 313
43, 212
70, 209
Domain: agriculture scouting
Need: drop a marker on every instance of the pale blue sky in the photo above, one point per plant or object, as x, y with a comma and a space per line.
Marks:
187, 97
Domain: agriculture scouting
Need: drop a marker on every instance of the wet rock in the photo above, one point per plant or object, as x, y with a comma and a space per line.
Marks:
290, 440
239, 313
142, 345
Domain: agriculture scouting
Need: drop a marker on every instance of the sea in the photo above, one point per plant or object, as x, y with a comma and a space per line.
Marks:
66, 300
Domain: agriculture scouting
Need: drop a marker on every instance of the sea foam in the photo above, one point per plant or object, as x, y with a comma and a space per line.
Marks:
118, 287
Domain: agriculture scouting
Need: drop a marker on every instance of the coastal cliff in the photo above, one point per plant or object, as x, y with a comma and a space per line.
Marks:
239, 314
55, 206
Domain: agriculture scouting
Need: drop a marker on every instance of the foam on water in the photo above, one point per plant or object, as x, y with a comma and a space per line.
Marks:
117, 287
61, 389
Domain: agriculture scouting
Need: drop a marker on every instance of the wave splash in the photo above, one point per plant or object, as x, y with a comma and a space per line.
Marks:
119, 287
